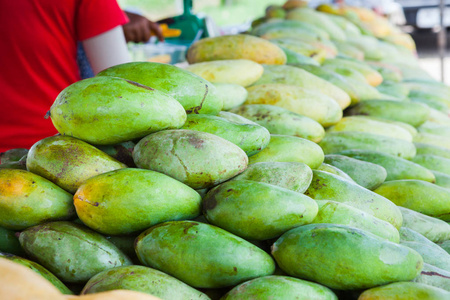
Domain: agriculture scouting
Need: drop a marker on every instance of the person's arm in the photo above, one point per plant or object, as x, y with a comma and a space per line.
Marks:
107, 49
140, 29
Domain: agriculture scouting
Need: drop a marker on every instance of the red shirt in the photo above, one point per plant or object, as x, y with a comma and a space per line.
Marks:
38, 47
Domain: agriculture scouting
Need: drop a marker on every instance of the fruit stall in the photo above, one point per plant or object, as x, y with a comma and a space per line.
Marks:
305, 158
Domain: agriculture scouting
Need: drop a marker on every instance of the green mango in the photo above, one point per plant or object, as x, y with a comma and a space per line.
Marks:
368, 44
432, 102
407, 234
433, 128
194, 93
433, 229
290, 75
54, 158
198, 159
411, 129
232, 94
418, 195
281, 210
326, 186
442, 179
109, 110
346, 50
279, 287
40, 270
289, 25
389, 73
309, 103
347, 72
286, 148
369, 260
397, 168
295, 176
438, 117
362, 124
113, 204
364, 173
432, 139
433, 162
122, 152
333, 212
434, 276
370, 75
405, 290
411, 113
445, 245
312, 49
71, 251
423, 148
298, 58
125, 243
249, 136
334, 170
282, 121
12, 155
18, 165
141, 279
27, 199
205, 256
9, 243
393, 89
335, 142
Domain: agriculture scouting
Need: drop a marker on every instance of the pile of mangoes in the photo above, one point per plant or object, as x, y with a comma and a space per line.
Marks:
306, 159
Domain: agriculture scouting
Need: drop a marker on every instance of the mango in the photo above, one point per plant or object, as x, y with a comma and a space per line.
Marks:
347, 50
335, 170
293, 57
293, 176
194, 93
438, 117
333, 212
361, 124
433, 162
397, 168
285, 148
111, 203
281, 210
141, 279
10, 244
393, 89
445, 245
411, 113
238, 46
116, 295
243, 72
279, 287
39, 270
433, 139
442, 179
54, 158
290, 25
418, 195
405, 291
27, 199
12, 155
365, 174
335, 142
314, 105
71, 251
182, 154
433, 128
431, 253
205, 256
312, 49
19, 282
295, 76
250, 136
121, 152
326, 186
408, 127
434, 276
371, 76
232, 94
368, 259
432, 150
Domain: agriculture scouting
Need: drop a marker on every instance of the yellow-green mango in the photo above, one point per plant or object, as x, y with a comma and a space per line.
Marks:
243, 72
349, 73
347, 50
9, 242
13, 155
372, 76
68, 161
393, 89
333, 212
428, 149
108, 110
238, 46
335, 142
282, 121
442, 179
281, 209
357, 123
205, 256
390, 74
118, 202
397, 168
364, 173
433, 101
249, 136
141, 279
198, 159
326, 186
314, 50
432, 139
293, 57
334, 170
39, 270
279, 287
286, 148
411, 113
232, 94
309, 103
71, 251
27, 199
290, 25
434, 276
408, 127
369, 260
433, 128
438, 117
433, 229
295, 76
418, 195
295, 176
194, 93
433, 162
405, 291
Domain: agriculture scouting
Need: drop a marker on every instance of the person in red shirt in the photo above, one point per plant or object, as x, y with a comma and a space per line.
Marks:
38, 57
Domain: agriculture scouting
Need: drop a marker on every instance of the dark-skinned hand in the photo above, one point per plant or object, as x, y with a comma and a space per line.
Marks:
140, 29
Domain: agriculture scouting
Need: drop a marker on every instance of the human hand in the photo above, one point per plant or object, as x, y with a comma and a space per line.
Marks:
140, 29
